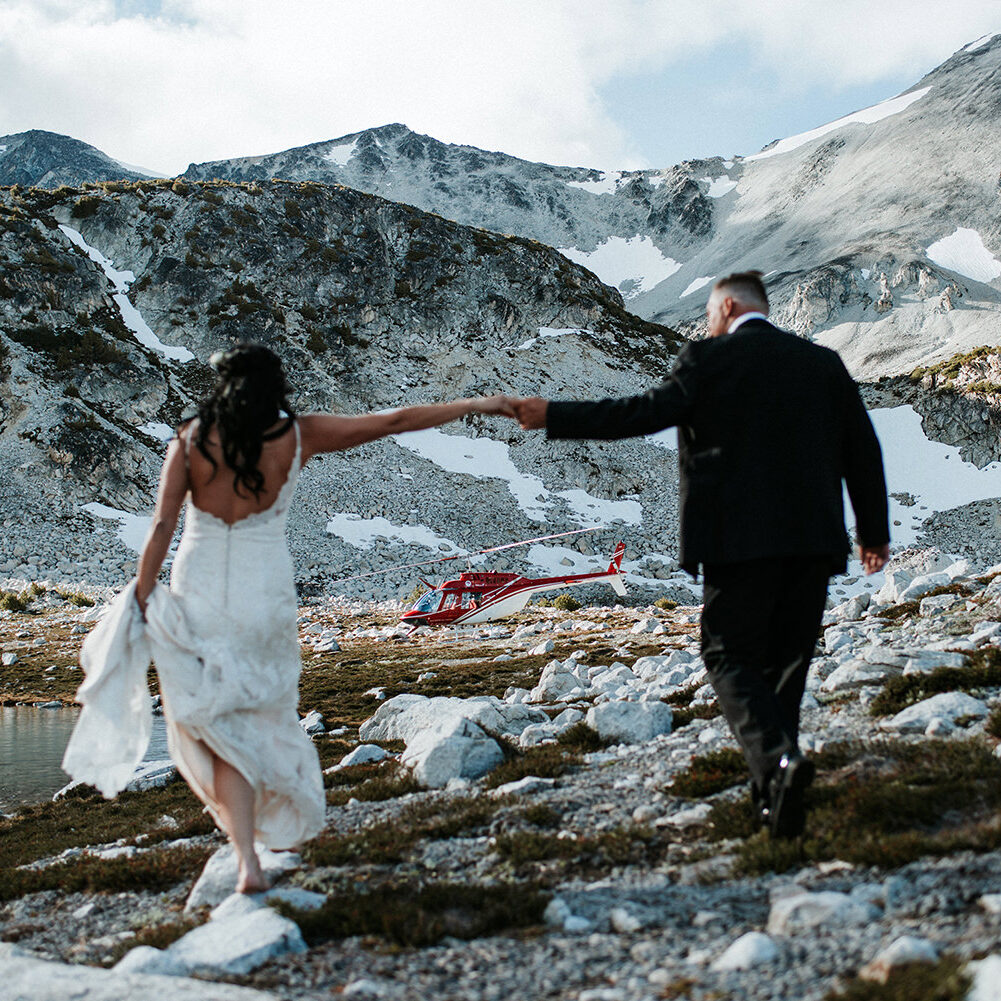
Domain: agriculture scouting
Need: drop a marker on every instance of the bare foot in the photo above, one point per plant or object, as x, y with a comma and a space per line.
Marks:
252, 880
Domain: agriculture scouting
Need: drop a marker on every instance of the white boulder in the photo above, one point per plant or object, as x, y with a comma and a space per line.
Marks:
856, 674
986, 975
461, 751
948, 706
26, 976
218, 878
405, 717
800, 912
920, 586
559, 678
236, 943
630, 722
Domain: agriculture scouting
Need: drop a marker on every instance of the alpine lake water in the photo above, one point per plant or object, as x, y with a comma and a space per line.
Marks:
32, 742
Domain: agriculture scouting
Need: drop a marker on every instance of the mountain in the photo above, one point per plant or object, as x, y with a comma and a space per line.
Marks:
632, 215
112, 296
47, 160
880, 233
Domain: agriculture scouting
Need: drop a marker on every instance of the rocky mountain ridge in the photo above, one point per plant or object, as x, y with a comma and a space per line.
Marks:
37, 158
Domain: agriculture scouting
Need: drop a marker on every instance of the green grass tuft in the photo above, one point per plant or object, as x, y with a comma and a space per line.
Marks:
391, 841
154, 870
710, 773
415, 916
945, 980
545, 761
984, 671
892, 804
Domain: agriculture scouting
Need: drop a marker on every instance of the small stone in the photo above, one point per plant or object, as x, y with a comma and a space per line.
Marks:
906, 949
522, 787
749, 950
8, 659
645, 814
991, 903
546, 646
363, 754
624, 921
312, 722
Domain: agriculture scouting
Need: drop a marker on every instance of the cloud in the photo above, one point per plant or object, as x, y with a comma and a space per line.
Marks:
166, 82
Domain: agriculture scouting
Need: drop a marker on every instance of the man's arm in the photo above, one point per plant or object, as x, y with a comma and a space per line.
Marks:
865, 480
625, 417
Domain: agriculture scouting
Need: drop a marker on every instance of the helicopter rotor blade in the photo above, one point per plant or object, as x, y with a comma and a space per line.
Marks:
460, 556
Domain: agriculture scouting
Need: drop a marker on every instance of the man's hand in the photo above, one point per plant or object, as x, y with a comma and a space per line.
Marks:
874, 557
531, 412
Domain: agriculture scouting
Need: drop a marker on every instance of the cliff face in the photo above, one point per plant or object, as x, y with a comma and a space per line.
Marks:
112, 296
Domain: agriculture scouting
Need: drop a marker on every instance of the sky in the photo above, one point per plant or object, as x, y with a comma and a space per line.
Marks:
613, 84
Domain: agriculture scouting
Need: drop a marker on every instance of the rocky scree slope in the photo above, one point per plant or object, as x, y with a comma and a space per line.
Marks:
370, 303
634, 865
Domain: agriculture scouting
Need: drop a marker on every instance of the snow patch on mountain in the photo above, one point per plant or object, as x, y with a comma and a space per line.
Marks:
164, 432
547, 332
979, 43
867, 116
606, 185
132, 528
719, 186
131, 317
964, 252
696, 285
340, 154
484, 458
362, 533
633, 265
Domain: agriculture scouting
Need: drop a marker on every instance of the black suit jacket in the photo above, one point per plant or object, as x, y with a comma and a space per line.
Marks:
769, 426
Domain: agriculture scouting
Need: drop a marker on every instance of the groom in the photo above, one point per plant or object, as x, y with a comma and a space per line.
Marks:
770, 425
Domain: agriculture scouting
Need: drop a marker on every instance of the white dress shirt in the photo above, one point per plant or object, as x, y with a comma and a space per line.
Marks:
743, 318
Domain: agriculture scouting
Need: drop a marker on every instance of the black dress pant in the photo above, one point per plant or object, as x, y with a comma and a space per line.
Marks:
760, 622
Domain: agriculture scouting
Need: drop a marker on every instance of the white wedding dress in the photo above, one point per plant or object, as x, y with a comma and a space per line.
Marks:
226, 648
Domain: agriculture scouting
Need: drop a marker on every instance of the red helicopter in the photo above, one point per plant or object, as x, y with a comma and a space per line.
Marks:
481, 596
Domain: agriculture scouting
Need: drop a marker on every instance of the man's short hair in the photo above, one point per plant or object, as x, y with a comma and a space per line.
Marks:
746, 287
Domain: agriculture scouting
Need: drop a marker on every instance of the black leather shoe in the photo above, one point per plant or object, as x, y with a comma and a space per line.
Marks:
785, 814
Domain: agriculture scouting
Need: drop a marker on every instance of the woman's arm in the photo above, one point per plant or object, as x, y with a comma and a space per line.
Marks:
169, 498
332, 433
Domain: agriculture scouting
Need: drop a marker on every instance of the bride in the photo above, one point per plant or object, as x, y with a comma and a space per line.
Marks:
224, 636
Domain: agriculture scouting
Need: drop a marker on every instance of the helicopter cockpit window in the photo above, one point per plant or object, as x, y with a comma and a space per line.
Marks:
428, 602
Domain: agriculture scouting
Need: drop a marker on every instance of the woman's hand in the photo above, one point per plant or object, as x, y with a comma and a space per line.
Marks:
500, 405
143, 602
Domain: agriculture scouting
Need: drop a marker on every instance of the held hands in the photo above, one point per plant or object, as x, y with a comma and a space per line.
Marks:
529, 411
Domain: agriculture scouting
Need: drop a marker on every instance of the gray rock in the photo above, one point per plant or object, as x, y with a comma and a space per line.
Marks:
462, 751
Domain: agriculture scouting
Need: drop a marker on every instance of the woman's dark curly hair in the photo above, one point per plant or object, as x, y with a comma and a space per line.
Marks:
250, 393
